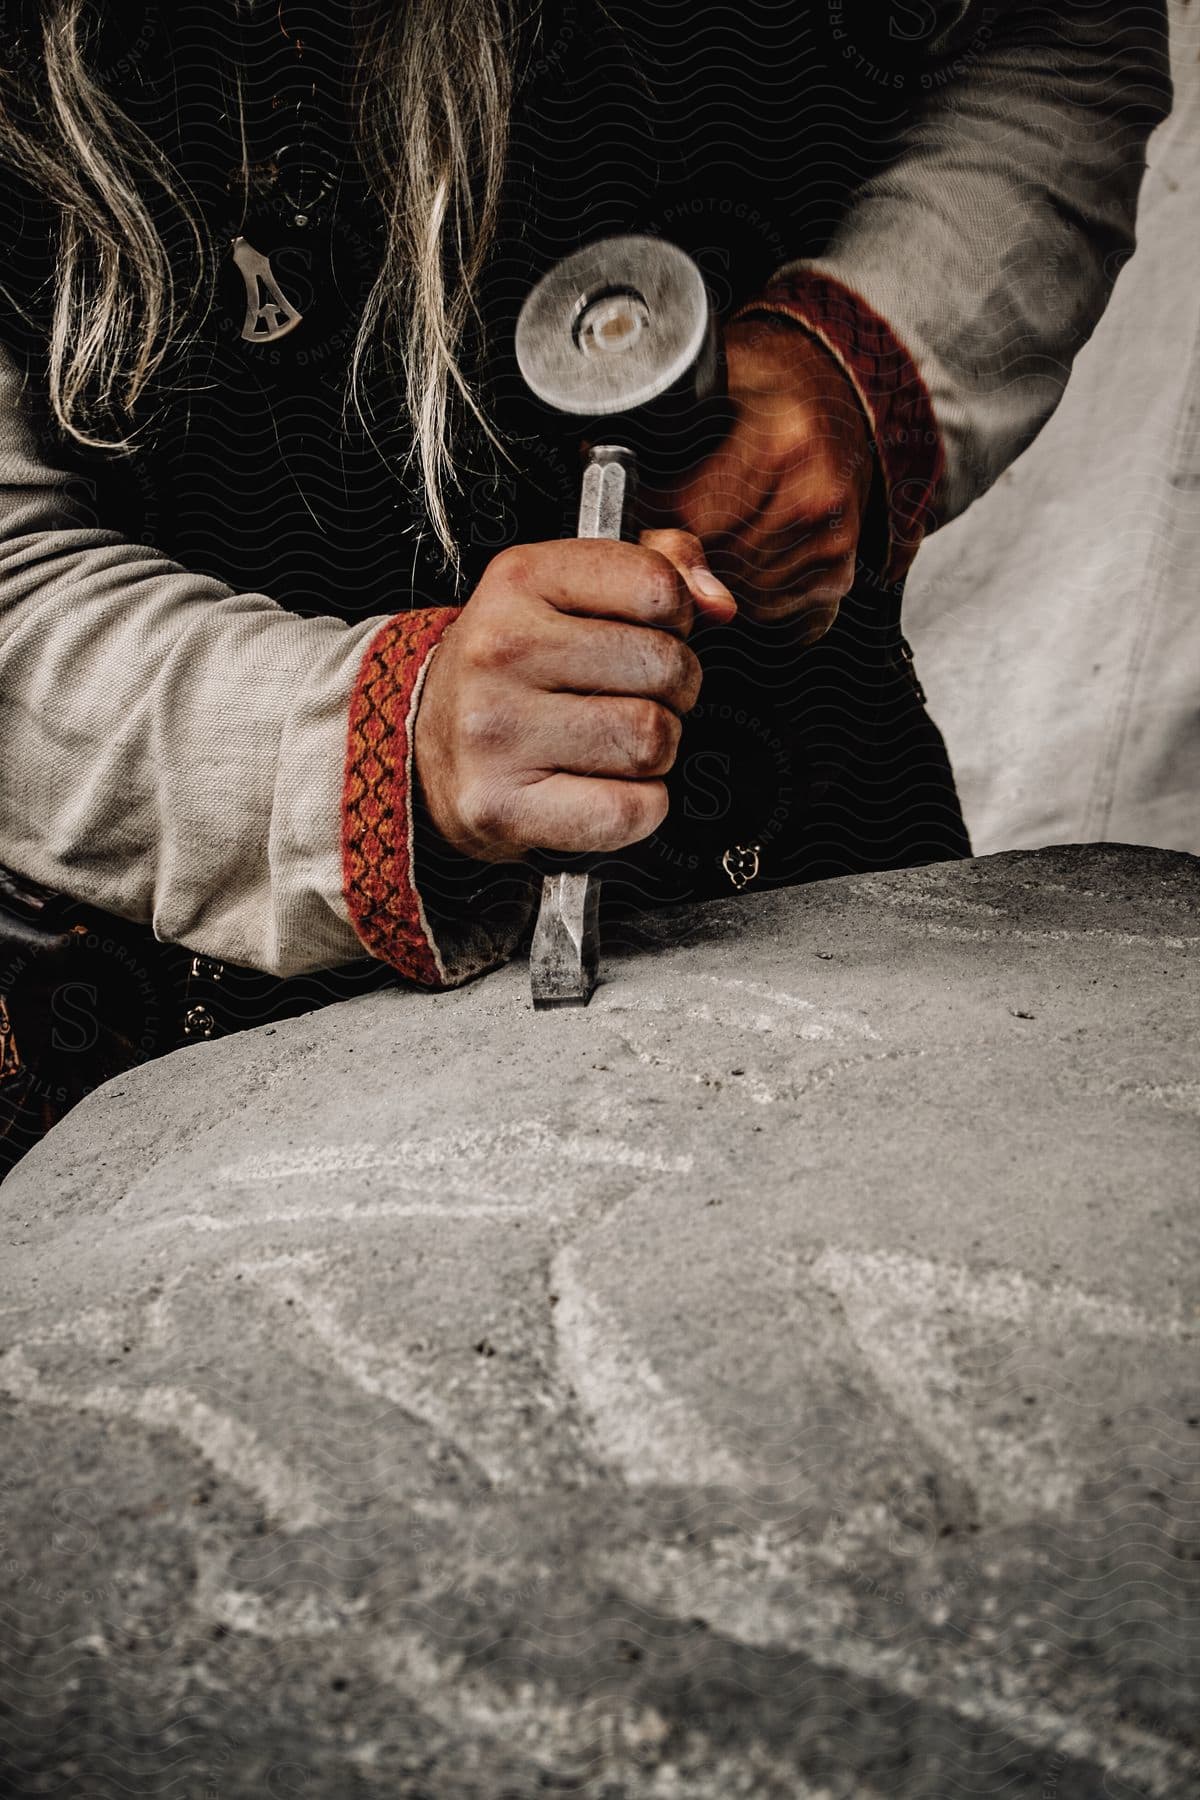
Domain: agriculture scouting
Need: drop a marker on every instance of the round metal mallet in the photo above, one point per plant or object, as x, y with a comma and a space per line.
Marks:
615, 327
620, 331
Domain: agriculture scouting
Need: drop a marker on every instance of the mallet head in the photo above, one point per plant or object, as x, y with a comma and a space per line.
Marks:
617, 328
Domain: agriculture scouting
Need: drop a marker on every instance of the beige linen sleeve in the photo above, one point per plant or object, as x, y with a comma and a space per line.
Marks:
964, 278
170, 750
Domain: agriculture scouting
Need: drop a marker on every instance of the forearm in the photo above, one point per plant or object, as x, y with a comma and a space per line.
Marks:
174, 755
964, 278
178, 753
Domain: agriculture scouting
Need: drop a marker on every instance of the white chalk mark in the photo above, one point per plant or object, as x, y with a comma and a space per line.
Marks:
348, 1213
921, 899
229, 1446
158, 1313
651, 1435
1176, 1096
286, 1612
463, 1699
750, 1084
384, 1372
781, 1015
908, 1316
829, 1631
821, 1021
1024, 934
531, 1139
1004, 1296
97, 1326
776, 1015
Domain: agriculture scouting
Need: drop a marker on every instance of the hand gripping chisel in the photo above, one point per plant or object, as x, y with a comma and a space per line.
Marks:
620, 332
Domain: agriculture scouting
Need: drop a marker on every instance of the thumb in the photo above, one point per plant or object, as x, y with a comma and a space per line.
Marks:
686, 553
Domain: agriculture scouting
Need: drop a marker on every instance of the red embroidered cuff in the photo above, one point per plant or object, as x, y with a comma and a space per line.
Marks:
377, 797
908, 443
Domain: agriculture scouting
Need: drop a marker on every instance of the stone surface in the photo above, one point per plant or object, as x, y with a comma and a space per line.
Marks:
779, 1379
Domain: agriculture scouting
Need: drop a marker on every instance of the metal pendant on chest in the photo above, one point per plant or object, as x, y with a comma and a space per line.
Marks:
270, 315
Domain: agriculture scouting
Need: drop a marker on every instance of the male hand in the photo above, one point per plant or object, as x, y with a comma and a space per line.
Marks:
551, 709
779, 506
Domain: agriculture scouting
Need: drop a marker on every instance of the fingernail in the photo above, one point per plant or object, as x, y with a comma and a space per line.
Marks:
706, 583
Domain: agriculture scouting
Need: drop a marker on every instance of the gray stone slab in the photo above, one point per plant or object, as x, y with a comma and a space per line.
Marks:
778, 1379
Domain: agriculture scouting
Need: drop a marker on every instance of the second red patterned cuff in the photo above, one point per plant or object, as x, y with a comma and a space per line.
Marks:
907, 441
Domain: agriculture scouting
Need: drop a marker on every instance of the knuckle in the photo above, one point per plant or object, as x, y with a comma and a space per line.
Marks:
513, 566
497, 639
655, 737
815, 617
649, 809
833, 583
471, 637
483, 727
662, 591
845, 572
633, 810
685, 678
505, 643
676, 544
484, 809
475, 651
842, 536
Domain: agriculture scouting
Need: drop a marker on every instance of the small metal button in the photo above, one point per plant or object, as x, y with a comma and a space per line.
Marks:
740, 863
198, 1022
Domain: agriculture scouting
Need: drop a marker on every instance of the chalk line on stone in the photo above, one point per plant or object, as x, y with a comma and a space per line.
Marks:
826, 1628
637, 1425
533, 1138
231, 1447
911, 1318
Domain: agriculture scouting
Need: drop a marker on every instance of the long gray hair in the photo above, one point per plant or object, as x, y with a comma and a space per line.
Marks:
431, 107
